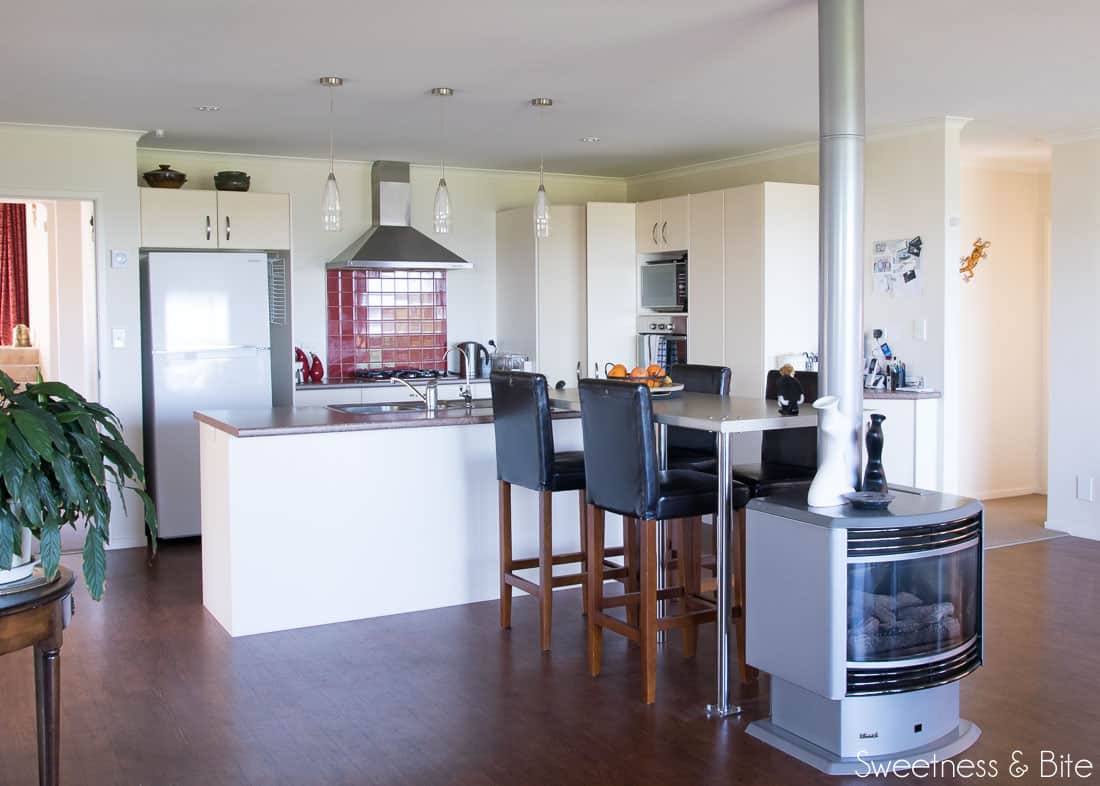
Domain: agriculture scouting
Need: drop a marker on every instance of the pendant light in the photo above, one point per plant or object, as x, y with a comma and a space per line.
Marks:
542, 202
331, 214
441, 215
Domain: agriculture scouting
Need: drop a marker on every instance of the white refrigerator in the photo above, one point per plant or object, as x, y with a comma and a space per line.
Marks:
206, 344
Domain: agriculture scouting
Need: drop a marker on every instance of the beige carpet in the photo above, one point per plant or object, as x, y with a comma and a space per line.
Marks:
1014, 520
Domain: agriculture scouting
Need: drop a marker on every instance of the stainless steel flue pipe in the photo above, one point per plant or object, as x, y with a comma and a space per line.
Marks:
841, 106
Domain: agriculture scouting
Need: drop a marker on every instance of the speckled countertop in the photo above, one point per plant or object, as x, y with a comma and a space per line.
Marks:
281, 421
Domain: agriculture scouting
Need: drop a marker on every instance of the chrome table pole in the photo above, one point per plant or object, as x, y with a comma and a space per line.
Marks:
722, 540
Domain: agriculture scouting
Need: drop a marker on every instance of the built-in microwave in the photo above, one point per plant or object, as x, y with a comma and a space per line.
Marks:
664, 285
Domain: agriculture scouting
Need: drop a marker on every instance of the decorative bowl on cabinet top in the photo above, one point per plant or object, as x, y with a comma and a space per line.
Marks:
232, 181
165, 177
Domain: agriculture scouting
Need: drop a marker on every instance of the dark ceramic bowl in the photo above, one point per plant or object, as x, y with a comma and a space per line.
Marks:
165, 177
232, 181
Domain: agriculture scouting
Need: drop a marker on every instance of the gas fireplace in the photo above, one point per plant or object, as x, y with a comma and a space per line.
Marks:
865, 621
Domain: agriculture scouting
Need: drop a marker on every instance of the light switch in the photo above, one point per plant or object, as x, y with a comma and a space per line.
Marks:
118, 338
119, 258
1084, 488
920, 329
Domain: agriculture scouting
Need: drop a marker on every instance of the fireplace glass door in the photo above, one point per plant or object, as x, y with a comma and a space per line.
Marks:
913, 605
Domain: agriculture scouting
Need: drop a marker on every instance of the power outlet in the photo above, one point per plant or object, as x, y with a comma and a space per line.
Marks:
1085, 487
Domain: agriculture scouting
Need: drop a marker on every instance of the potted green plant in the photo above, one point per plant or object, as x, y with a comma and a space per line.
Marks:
59, 456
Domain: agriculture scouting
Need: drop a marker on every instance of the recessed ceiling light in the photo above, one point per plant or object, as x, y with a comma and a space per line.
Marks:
590, 139
208, 108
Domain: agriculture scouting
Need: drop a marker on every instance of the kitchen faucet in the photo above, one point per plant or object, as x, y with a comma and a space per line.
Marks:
467, 392
430, 396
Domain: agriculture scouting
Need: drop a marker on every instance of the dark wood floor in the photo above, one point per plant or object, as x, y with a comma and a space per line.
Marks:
154, 692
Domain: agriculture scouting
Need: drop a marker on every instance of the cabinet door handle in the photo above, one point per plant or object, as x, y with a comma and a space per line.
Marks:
664, 232
654, 232
227, 230
208, 227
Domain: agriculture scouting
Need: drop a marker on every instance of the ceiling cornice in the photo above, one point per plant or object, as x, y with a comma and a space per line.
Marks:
950, 122
434, 166
72, 130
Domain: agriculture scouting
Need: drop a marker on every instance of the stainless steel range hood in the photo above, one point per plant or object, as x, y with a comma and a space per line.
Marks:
390, 243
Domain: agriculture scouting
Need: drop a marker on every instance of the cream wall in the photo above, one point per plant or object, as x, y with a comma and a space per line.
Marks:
1002, 436
911, 187
1074, 339
72, 163
476, 196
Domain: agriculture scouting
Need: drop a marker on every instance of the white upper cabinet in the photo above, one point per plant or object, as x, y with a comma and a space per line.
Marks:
253, 221
178, 219
194, 219
648, 226
675, 223
663, 225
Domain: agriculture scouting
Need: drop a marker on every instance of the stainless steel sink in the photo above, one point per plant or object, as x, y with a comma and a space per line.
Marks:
389, 408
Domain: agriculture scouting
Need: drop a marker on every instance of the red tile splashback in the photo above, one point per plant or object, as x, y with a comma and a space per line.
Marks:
386, 319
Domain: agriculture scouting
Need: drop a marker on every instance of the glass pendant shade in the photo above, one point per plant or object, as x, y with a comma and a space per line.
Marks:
331, 214
442, 214
542, 213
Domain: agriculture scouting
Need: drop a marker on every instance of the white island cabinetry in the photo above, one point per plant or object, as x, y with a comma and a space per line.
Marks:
311, 527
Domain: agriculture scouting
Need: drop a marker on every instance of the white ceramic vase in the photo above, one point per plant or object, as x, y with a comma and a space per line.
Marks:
831, 482
22, 562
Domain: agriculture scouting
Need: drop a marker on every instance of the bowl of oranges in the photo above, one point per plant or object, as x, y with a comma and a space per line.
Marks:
653, 376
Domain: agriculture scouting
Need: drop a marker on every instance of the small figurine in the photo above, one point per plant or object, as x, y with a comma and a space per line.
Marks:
970, 262
300, 357
790, 393
316, 370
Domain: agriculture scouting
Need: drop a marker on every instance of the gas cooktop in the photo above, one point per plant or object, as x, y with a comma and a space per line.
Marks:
384, 374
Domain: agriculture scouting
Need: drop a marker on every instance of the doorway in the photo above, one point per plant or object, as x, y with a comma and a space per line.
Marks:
49, 286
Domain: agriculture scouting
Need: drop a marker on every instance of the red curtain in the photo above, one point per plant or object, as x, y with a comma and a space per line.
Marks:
13, 269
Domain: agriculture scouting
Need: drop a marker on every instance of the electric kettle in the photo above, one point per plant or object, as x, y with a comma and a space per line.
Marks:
479, 358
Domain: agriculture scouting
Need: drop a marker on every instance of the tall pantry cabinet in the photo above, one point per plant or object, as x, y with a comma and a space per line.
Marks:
569, 299
753, 279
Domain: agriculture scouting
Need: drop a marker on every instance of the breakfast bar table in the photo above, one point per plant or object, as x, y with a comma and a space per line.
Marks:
724, 416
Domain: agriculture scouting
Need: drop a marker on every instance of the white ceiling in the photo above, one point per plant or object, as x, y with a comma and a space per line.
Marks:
664, 84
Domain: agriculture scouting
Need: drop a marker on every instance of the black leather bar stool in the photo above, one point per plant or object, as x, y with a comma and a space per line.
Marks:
788, 457
620, 459
690, 448
526, 457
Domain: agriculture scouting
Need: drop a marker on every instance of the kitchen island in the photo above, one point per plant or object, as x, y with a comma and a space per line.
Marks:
312, 516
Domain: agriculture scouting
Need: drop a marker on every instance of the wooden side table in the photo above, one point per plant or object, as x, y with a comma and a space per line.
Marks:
37, 618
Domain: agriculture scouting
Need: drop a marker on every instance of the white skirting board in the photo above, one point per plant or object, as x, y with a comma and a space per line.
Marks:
820, 759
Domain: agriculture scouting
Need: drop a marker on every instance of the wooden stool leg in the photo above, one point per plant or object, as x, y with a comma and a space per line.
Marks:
648, 612
630, 560
546, 568
583, 512
748, 674
505, 513
595, 587
688, 560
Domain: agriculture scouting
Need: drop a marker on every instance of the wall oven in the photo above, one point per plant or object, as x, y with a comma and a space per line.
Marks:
664, 285
662, 340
